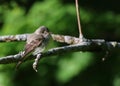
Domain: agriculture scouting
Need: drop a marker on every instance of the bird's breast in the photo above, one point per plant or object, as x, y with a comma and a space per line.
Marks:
39, 49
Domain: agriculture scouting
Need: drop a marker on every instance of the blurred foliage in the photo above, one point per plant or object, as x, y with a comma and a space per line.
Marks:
100, 19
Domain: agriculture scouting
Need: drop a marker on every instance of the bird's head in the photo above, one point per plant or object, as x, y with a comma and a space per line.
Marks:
43, 31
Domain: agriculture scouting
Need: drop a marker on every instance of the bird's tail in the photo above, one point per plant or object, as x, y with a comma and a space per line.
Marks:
20, 62
18, 65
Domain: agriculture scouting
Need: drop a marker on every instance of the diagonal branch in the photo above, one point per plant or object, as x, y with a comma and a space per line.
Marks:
93, 46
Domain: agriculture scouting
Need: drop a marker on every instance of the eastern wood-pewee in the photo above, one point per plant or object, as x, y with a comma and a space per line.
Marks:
35, 43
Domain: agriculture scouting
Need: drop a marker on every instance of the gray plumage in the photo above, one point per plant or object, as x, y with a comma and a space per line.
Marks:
35, 43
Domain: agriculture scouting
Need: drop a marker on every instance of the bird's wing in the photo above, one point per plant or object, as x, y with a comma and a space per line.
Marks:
29, 47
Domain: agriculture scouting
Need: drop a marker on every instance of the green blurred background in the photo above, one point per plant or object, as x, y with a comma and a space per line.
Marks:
99, 20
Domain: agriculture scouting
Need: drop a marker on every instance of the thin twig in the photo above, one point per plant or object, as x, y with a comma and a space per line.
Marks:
78, 19
36, 62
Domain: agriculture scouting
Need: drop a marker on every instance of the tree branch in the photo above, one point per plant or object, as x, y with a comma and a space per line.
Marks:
12, 38
91, 45
86, 45
56, 37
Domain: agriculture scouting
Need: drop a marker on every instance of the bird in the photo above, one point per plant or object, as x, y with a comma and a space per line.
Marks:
35, 43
